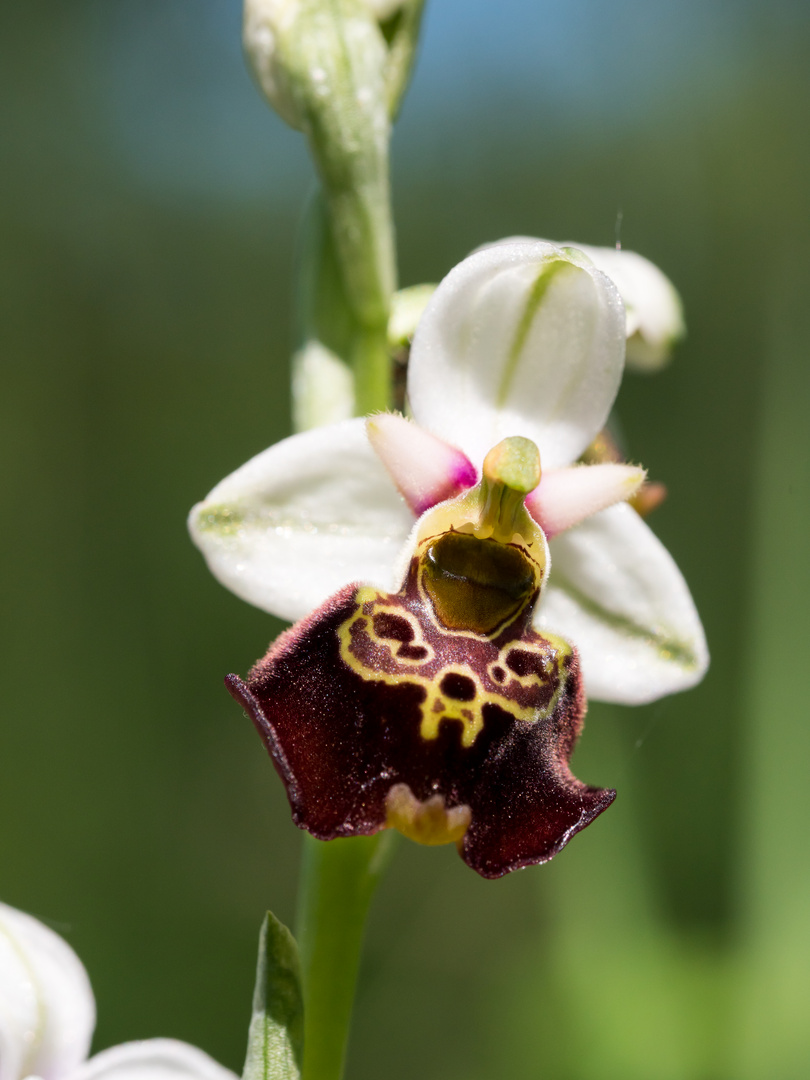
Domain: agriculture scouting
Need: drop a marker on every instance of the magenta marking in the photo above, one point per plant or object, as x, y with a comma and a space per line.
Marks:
464, 473
461, 476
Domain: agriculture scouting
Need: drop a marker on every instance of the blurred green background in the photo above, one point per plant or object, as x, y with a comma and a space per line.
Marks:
147, 221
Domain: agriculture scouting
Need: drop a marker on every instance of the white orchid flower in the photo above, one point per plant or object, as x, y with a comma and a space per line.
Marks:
522, 338
47, 1016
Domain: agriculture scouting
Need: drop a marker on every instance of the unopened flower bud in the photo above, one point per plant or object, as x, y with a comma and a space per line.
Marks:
322, 66
265, 30
295, 48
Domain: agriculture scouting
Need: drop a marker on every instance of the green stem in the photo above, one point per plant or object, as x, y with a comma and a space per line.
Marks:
338, 879
323, 314
346, 279
348, 130
371, 363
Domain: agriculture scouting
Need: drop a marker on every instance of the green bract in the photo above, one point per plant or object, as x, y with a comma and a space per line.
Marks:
276, 1035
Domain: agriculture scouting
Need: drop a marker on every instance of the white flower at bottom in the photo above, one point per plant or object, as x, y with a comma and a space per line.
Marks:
47, 1016
521, 339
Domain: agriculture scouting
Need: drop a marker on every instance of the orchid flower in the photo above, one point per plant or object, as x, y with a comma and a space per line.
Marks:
395, 532
320, 510
47, 1016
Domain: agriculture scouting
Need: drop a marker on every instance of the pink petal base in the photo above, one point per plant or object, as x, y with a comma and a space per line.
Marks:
425, 469
565, 497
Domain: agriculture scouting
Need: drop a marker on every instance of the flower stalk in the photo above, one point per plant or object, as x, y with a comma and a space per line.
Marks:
338, 881
337, 70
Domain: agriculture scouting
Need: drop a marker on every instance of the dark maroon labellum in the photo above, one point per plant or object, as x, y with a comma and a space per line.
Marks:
384, 710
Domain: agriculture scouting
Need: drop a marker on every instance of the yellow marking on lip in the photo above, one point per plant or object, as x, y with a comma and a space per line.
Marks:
437, 705
533, 678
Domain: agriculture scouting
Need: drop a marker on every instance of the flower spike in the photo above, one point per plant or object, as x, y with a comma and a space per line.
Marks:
436, 710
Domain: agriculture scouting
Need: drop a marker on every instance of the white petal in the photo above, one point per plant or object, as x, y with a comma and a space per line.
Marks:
47, 1012
519, 339
302, 519
565, 497
425, 470
652, 305
152, 1059
615, 592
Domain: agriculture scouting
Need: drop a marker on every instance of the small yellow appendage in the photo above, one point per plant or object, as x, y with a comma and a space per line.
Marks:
429, 822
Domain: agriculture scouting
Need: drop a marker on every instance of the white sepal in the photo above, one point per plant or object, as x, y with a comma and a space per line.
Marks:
653, 307
565, 497
47, 1011
152, 1059
302, 519
654, 320
519, 339
616, 593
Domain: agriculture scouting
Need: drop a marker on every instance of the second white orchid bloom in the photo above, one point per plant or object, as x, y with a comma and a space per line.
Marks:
47, 1016
521, 339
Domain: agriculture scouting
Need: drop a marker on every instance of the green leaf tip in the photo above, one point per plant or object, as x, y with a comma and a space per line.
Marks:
276, 1035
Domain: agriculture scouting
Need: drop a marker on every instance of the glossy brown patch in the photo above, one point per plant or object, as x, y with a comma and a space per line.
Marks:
476, 585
